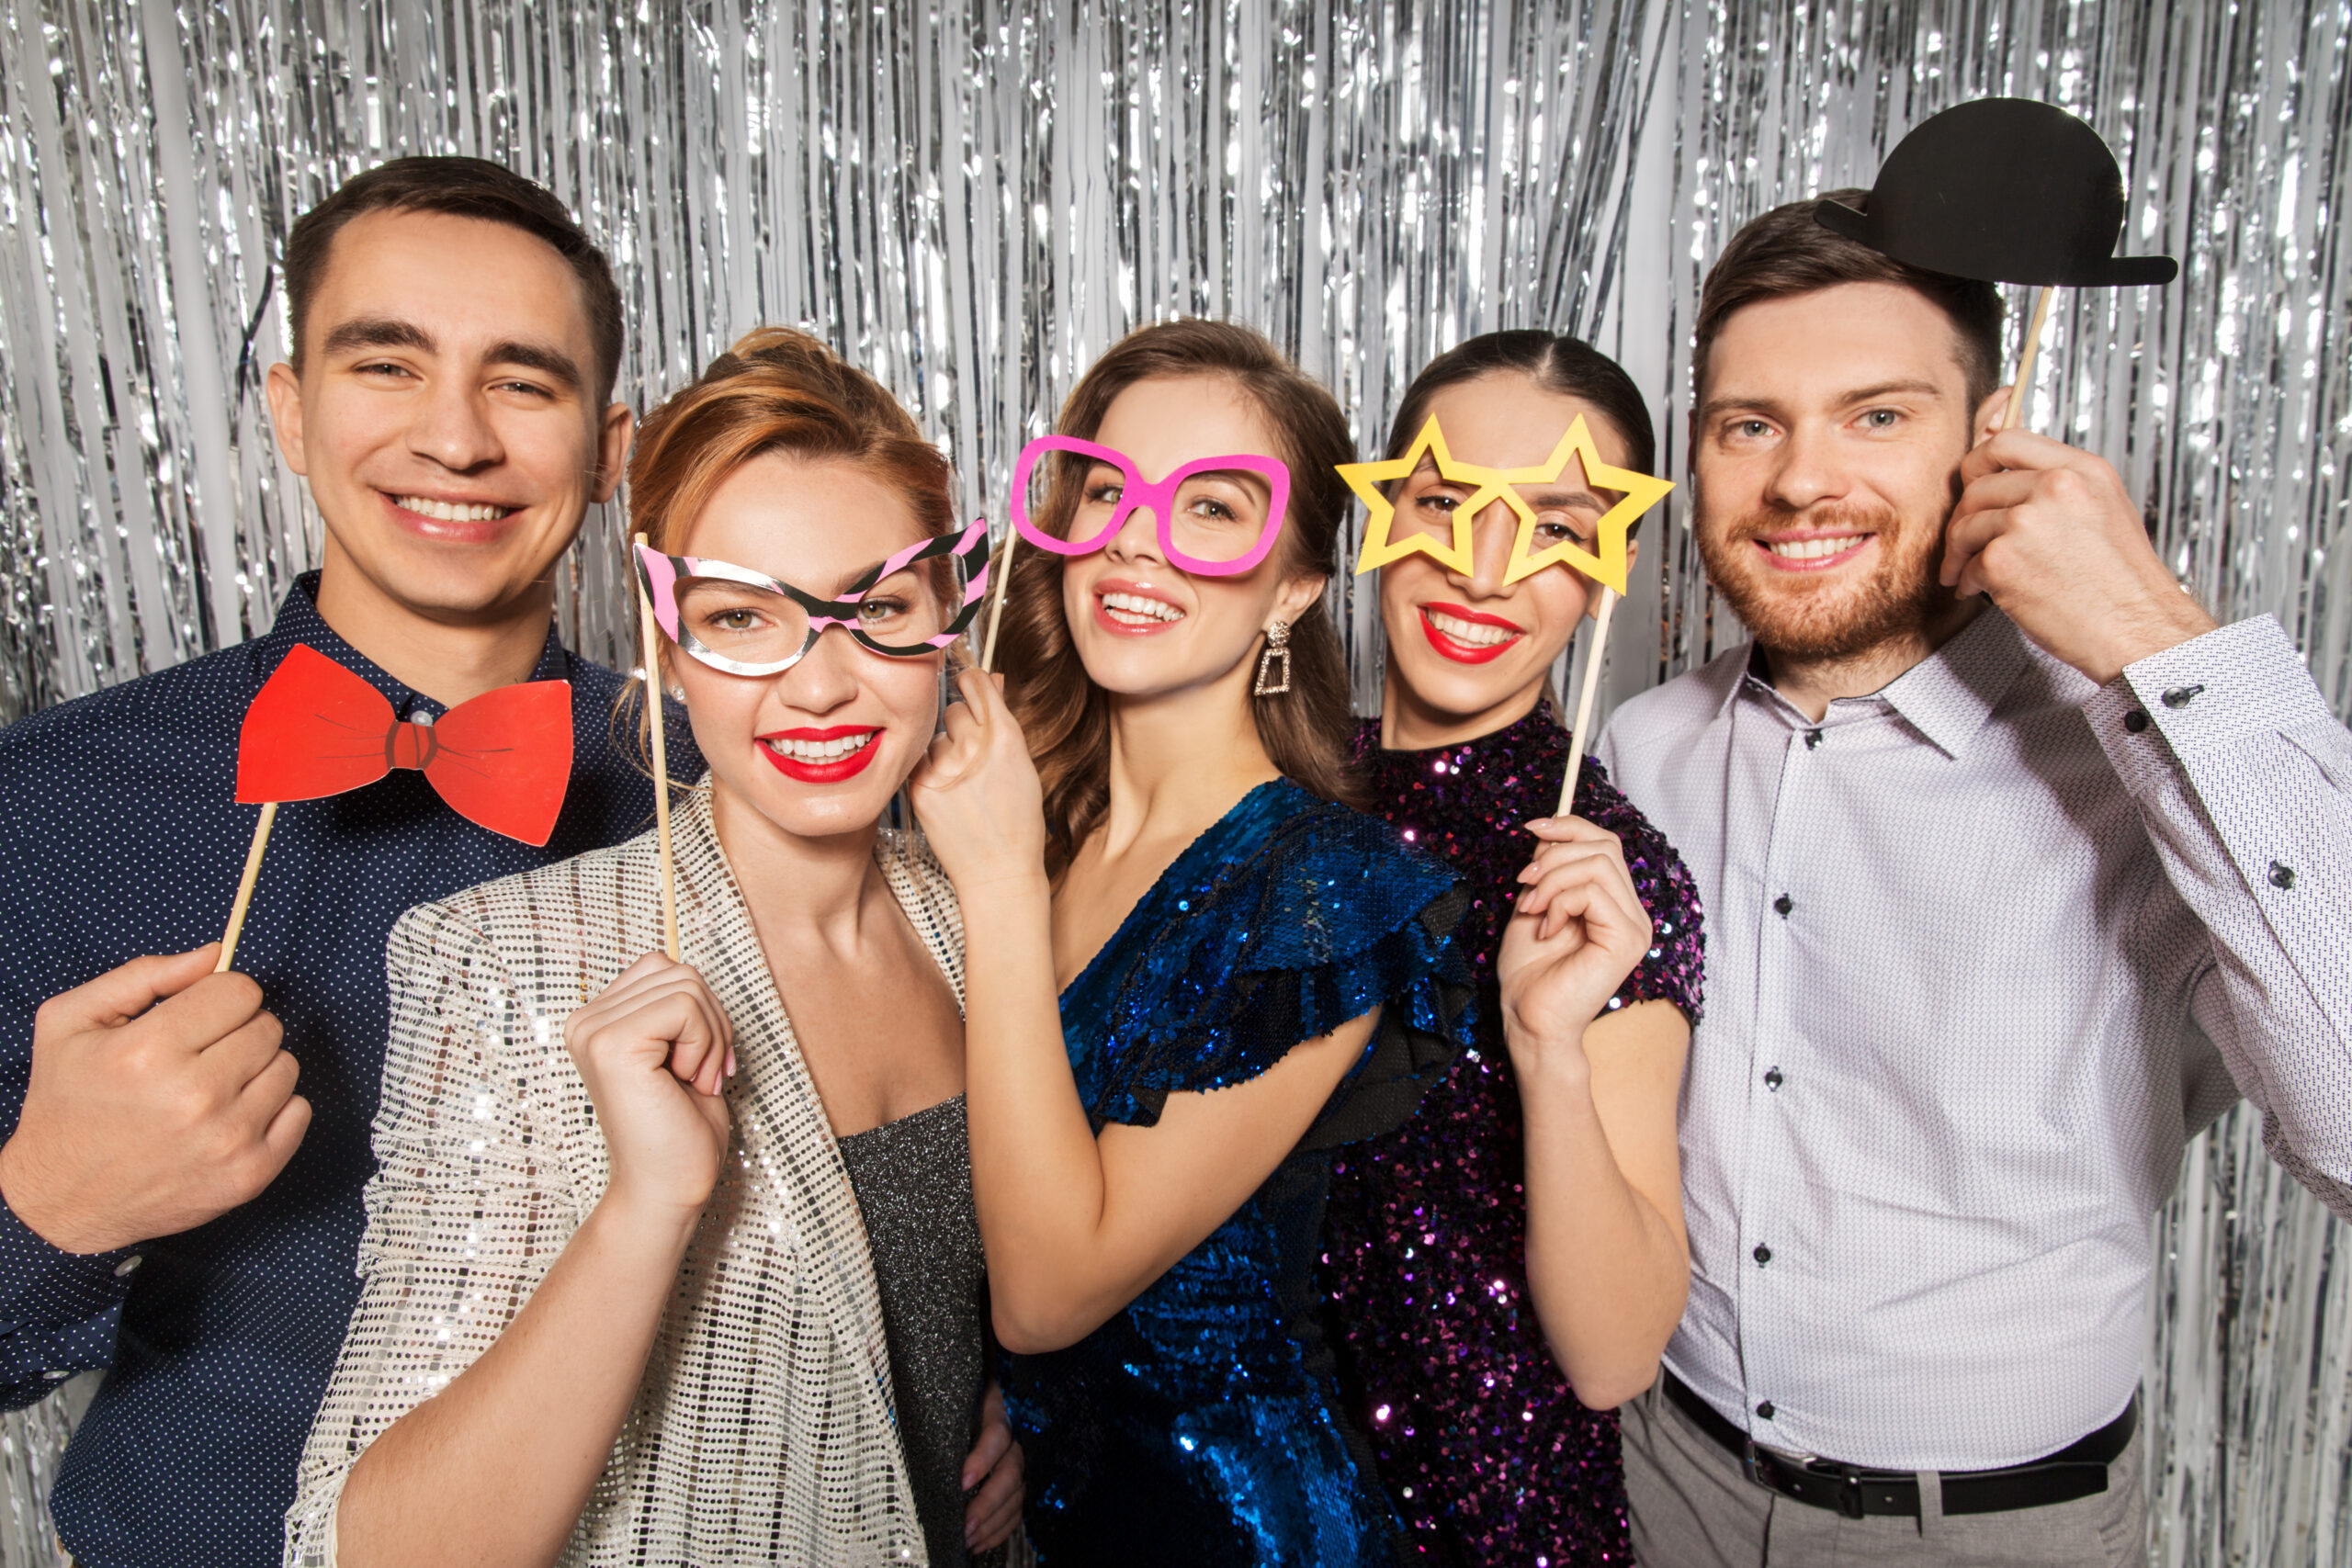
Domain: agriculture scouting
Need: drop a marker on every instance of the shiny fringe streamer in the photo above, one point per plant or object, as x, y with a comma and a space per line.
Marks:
973, 199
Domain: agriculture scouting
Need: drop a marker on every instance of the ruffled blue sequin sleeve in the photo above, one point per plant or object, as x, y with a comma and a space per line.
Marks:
1252, 949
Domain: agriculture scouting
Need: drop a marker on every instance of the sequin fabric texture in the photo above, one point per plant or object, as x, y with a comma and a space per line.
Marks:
1199, 1425
764, 1428
1485, 1450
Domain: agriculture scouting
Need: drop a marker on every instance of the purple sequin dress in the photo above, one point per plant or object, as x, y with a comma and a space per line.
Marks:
1485, 1452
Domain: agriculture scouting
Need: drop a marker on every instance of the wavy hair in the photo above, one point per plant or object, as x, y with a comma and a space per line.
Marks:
1065, 717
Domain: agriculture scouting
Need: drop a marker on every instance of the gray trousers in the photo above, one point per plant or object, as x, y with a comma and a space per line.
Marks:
1693, 1506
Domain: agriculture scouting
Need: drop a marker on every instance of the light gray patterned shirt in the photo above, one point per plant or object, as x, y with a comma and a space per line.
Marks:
1984, 949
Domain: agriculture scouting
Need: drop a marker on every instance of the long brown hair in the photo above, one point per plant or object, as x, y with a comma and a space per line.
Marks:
776, 390
1065, 717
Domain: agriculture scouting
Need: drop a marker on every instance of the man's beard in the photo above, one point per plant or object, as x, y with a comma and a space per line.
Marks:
1796, 617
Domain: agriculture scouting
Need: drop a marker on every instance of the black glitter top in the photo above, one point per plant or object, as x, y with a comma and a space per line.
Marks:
1483, 1446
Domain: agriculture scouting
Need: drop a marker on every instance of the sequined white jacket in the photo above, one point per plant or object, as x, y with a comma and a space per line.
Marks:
769, 1386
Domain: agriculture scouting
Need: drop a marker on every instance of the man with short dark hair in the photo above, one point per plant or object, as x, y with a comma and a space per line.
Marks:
171, 1208
2018, 871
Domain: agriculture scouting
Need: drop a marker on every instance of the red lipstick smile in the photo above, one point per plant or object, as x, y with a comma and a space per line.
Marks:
1469, 653
832, 770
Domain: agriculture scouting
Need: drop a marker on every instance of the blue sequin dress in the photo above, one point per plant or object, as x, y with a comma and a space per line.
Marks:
1201, 1426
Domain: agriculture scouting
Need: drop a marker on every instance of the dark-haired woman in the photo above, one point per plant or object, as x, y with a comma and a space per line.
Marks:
1486, 1334
1192, 972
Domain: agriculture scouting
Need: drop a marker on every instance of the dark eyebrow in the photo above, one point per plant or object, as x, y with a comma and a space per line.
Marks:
390, 331
1247, 479
379, 332
552, 363
1542, 497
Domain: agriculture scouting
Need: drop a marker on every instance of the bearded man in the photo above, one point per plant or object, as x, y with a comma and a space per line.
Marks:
2018, 870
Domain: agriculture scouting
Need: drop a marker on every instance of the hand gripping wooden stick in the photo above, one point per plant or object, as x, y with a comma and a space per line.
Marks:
1589, 688
652, 649
2024, 383
245, 887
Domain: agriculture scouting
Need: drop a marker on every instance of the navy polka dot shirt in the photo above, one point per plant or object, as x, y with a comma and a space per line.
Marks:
121, 836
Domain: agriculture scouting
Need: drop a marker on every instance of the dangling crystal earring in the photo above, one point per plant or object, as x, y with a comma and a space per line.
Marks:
1277, 647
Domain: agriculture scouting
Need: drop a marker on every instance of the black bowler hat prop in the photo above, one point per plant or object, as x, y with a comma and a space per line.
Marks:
2004, 190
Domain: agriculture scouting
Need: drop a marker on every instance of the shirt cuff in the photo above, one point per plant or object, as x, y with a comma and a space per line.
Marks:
2202, 696
43, 1283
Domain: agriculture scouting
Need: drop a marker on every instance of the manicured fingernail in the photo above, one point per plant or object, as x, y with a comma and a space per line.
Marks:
730, 1062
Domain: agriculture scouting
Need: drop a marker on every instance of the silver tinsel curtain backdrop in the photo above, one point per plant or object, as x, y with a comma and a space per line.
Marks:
972, 200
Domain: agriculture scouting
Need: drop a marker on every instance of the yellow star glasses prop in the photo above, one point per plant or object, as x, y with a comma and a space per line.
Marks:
1383, 542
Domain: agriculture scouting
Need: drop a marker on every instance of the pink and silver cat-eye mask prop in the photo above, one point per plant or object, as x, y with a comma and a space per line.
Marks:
1212, 521
747, 623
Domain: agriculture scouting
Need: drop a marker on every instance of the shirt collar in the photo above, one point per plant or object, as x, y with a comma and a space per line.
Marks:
1946, 696
299, 621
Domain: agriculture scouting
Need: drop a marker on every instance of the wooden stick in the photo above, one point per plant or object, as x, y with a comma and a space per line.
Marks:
661, 761
2024, 383
245, 887
996, 604
1590, 688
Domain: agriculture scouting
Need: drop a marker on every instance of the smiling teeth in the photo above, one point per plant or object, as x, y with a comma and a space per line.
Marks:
1813, 549
1471, 632
1134, 610
450, 512
819, 750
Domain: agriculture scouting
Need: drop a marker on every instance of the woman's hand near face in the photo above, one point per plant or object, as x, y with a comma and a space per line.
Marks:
496, 1467
1577, 930
655, 1049
977, 792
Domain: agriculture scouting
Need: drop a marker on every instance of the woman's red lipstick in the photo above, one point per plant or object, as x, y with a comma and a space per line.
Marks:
849, 764
1468, 652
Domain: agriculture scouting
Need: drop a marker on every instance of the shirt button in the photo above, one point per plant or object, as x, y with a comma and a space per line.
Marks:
1765, 1410
1772, 1078
2135, 721
2181, 696
1763, 1255
1811, 739
1783, 905
123, 1269
2281, 877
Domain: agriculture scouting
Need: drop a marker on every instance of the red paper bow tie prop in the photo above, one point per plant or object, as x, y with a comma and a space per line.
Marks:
502, 760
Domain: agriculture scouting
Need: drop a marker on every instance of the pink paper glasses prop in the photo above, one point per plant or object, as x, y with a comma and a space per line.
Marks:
1161, 498
764, 626
775, 623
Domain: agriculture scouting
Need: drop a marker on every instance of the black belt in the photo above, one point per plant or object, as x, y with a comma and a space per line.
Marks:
2079, 1469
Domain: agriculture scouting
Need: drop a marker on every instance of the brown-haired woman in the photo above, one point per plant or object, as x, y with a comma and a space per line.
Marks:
1193, 972
1506, 1269
647, 1259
